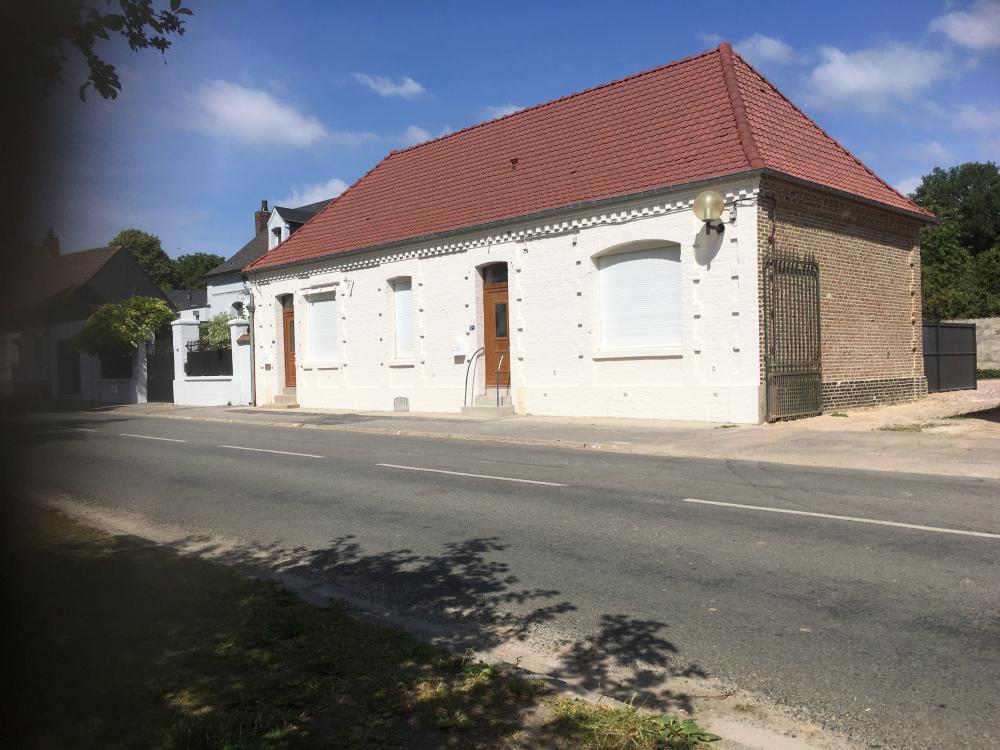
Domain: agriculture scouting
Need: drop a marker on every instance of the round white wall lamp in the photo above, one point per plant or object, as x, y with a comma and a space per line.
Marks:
708, 207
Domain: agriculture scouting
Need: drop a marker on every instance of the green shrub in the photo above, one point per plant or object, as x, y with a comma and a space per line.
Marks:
989, 373
215, 332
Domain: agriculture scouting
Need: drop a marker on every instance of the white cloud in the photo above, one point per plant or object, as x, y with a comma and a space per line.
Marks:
908, 185
982, 119
760, 50
932, 151
416, 134
708, 38
405, 87
413, 135
229, 110
494, 111
313, 193
874, 80
978, 28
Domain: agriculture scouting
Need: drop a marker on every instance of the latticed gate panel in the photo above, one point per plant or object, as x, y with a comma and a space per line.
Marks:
792, 347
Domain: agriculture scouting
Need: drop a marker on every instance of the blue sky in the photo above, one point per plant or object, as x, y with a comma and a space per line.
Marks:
292, 101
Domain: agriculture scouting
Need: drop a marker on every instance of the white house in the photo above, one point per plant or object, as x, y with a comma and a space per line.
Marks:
550, 261
198, 378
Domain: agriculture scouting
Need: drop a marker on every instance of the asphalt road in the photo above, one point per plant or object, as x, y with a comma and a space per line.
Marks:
879, 622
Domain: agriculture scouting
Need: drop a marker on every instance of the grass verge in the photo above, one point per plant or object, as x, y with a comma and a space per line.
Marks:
126, 644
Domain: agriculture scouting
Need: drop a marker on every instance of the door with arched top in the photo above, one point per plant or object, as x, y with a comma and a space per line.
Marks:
496, 337
288, 336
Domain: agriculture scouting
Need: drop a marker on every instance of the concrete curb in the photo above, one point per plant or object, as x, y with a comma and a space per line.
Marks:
956, 469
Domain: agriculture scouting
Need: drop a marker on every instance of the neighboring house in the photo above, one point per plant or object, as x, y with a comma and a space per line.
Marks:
38, 357
551, 259
200, 378
188, 302
227, 293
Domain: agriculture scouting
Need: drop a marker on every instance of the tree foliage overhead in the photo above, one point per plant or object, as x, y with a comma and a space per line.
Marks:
187, 272
150, 255
960, 256
118, 328
48, 28
191, 269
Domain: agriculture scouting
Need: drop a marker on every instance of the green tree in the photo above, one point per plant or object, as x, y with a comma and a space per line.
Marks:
118, 328
960, 255
191, 269
46, 30
149, 253
968, 195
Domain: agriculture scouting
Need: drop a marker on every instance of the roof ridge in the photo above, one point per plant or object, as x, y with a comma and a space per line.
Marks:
816, 125
743, 126
322, 210
658, 68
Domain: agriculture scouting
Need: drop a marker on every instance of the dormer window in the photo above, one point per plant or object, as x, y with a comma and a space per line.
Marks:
275, 236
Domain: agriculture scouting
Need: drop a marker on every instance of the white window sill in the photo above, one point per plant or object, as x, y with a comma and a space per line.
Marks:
658, 352
333, 364
405, 362
207, 378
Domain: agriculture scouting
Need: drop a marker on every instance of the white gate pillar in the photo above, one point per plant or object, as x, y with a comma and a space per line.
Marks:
239, 337
184, 330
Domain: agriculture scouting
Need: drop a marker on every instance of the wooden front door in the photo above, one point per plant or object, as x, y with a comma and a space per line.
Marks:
497, 336
288, 327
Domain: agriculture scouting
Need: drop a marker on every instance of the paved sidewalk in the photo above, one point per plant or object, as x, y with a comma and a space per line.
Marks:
955, 434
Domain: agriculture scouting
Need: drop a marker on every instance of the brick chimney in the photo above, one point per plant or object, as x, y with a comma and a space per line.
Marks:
50, 245
260, 218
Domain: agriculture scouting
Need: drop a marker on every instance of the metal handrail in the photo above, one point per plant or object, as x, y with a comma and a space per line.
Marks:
499, 369
472, 359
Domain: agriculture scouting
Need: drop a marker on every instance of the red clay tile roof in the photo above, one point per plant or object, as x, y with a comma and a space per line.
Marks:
705, 116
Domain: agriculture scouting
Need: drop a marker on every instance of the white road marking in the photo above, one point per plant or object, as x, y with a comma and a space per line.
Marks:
855, 519
151, 437
266, 450
477, 476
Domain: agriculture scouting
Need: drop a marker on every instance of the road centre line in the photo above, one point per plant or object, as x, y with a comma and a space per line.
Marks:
854, 519
151, 437
266, 450
477, 476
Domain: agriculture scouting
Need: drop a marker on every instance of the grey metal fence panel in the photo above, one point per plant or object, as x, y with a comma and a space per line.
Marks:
950, 356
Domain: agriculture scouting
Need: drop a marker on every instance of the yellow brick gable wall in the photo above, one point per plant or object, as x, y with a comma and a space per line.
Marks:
870, 305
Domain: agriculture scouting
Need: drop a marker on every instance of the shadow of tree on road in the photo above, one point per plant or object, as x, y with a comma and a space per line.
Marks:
468, 597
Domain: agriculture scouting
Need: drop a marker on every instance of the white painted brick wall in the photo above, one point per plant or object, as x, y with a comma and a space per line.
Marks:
554, 321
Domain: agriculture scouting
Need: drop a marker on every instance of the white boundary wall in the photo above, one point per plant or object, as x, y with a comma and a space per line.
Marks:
557, 367
211, 390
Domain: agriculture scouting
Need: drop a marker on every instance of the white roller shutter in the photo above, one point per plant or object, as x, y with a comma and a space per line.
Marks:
640, 299
403, 298
323, 344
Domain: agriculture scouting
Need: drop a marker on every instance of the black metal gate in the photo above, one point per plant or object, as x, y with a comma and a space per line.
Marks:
792, 351
160, 368
950, 356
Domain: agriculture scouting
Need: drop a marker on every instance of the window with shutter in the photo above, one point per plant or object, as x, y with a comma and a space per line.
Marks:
323, 344
640, 299
402, 293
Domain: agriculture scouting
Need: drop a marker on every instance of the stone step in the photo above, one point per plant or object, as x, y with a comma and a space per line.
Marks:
488, 412
490, 399
288, 401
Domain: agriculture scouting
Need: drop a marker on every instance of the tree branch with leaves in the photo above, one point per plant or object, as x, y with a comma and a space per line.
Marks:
118, 328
